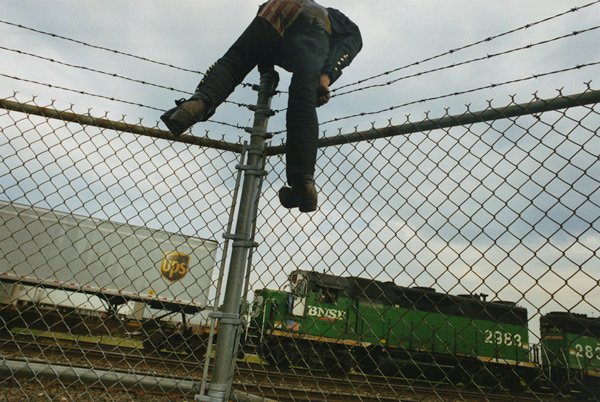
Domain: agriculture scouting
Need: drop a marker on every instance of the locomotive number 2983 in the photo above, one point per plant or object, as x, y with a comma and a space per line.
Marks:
502, 338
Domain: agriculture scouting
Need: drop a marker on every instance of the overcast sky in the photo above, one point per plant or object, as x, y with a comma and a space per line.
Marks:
193, 34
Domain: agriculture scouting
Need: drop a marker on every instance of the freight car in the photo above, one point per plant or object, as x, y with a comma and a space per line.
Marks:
343, 323
66, 272
28, 311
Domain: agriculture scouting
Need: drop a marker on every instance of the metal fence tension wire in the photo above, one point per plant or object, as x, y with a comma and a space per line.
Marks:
229, 318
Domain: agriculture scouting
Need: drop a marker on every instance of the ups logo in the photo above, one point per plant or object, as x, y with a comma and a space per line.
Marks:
175, 266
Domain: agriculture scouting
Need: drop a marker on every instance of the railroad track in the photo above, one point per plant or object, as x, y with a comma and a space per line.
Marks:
301, 384
80, 353
294, 385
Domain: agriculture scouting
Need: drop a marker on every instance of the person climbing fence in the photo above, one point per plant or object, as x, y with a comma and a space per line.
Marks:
312, 42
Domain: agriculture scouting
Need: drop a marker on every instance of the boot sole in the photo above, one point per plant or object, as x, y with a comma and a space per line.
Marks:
178, 120
174, 130
286, 198
307, 207
288, 201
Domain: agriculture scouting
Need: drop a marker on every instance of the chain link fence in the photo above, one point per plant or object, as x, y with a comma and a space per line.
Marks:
454, 258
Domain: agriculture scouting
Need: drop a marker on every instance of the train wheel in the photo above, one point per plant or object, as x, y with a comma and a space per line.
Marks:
154, 343
4, 329
276, 355
149, 346
462, 374
368, 361
591, 387
337, 361
511, 379
196, 345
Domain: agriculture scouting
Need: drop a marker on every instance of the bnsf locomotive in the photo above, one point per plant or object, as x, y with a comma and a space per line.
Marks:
344, 323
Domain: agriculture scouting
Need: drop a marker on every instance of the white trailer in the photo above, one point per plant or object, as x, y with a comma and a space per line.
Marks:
51, 257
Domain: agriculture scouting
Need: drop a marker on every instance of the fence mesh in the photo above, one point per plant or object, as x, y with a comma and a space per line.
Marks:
460, 262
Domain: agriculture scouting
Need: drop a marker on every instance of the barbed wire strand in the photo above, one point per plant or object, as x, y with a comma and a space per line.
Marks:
476, 59
81, 92
494, 85
142, 58
114, 51
113, 75
452, 51
146, 59
79, 42
488, 39
463, 63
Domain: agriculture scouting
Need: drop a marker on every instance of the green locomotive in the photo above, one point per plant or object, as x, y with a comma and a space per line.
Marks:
343, 323
570, 350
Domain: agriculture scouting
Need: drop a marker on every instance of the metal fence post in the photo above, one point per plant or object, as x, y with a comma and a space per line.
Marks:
229, 317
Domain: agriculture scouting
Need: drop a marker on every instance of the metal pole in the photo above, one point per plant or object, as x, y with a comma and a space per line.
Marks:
211, 335
229, 318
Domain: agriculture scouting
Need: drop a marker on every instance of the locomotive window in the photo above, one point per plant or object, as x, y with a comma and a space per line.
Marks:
299, 288
328, 295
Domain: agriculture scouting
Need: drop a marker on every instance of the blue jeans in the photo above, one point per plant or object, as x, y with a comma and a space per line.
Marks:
302, 51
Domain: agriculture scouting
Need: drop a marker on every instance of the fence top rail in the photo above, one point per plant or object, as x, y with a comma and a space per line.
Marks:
122, 126
491, 113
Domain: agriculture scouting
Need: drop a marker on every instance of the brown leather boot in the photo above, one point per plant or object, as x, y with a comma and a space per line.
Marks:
302, 195
184, 115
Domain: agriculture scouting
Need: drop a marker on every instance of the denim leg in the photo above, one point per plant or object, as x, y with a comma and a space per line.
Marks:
305, 54
258, 40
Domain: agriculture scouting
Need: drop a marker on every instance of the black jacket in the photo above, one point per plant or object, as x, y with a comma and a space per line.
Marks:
344, 44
